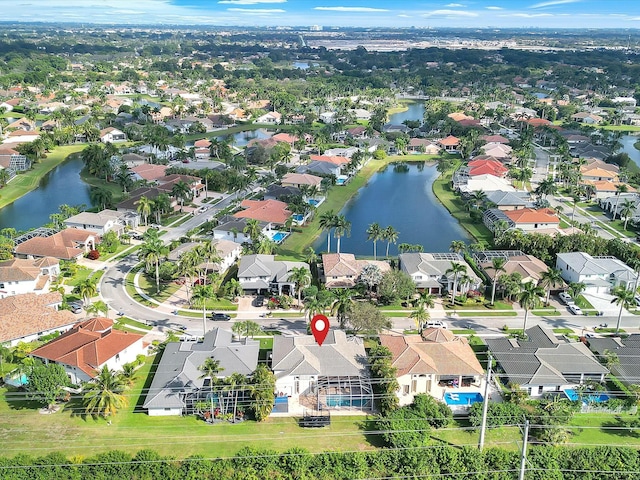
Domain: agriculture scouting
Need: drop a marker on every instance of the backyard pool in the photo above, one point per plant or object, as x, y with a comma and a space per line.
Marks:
344, 401
313, 201
462, 398
595, 397
279, 236
298, 217
17, 380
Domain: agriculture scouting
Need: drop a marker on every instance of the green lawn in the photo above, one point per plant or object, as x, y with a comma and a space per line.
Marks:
81, 275
129, 321
25, 182
115, 189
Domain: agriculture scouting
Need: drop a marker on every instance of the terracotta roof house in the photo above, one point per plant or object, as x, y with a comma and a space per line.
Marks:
545, 363
495, 139
270, 211
20, 136
262, 274
482, 167
341, 270
28, 316
327, 377
149, 172
89, 346
202, 143
299, 179
531, 219
423, 145
429, 271
334, 159
450, 144
167, 183
539, 122
458, 116
602, 189
497, 150
19, 275
435, 363
596, 169
528, 266
67, 244
178, 383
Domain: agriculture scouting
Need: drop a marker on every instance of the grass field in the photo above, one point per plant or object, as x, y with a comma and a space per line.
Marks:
25, 182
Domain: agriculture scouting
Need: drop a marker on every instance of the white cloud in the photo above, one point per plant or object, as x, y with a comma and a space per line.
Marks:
251, 2
553, 3
454, 5
350, 9
257, 11
449, 13
494, 8
527, 15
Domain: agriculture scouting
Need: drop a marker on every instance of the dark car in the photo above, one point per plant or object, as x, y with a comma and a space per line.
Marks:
220, 317
182, 327
259, 301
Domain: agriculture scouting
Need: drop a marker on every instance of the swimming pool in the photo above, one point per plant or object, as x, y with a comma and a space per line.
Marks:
313, 201
340, 181
344, 401
298, 217
279, 236
595, 397
17, 381
462, 398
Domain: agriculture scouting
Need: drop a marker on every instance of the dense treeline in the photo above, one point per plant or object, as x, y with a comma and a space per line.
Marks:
543, 463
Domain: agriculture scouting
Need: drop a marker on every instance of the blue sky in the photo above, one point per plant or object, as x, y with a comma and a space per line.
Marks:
366, 13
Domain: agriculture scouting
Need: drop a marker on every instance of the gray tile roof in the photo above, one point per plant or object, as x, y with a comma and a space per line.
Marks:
585, 264
265, 266
178, 372
628, 351
520, 199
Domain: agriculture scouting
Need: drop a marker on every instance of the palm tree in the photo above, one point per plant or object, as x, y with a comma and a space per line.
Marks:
420, 315
626, 211
625, 299
374, 233
210, 369
341, 227
252, 229
153, 251
549, 280
128, 374
327, 221
342, 303
103, 395
622, 188
98, 307
497, 265
234, 382
456, 269
199, 297
301, 276
529, 298
144, 206
390, 234
87, 289
182, 192
457, 246
575, 289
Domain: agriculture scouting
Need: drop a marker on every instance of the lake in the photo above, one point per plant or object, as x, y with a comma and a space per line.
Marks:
415, 112
403, 198
61, 185
627, 142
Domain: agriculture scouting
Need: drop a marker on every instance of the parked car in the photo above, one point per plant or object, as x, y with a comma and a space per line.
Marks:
435, 324
75, 308
576, 310
565, 298
259, 301
182, 327
220, 317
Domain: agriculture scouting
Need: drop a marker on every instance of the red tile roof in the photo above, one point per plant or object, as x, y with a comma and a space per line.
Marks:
492, 167
88, 345
271, 211
150, 171
530, 215
450, 141
330, 159
63, 245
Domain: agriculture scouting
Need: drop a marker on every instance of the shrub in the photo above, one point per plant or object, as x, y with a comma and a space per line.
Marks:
93, 255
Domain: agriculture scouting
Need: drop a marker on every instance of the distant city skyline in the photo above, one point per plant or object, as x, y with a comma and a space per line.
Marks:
342, 13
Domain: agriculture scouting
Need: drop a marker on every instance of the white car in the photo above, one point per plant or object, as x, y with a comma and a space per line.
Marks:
565, 298
576, 310
435, 324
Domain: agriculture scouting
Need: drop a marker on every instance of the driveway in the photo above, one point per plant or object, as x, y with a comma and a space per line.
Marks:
602, 303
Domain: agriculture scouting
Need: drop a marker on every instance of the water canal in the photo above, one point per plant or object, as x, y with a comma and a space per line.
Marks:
400, 196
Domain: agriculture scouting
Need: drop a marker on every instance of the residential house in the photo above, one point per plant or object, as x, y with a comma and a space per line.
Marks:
598, 170
263, 274
422, 145
270, 211
599, 274
131, 203
20, 136
232, 228
227, 250
450, 144
300, 179
321, 168
434, 363
485, 182
166, 183
112, 135
542, 220
544, 363
278, 192
178, 383
587, 118
487, 166
615, 202
606, 192
333, 376
27, 317
494, 139
430, 272
327, 117
101, 222
509, 200
627, 351
497, 150
149, 172
342, 270
88, 347
360, 114
18, 275
13, 160
270, 118
68, 244
530, 268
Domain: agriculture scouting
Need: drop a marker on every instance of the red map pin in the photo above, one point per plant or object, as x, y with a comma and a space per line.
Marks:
320, 328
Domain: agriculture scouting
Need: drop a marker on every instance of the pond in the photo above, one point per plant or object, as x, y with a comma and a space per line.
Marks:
400, 196
415, 112
61, 185
241, 139
628, 142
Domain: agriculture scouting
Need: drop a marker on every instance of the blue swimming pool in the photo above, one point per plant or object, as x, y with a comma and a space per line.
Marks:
595, 397
344, 401
313, 201
462, 398
340, 181
279, 236
298, 217
17, 381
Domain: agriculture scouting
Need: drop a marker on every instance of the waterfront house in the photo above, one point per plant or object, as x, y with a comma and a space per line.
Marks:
232, 228
101, 222
112, 135
299, 179
435, 362
68, 244
270, 211
429, 272
342, 270
149, 172
544, 363
599, 274
264, 274
89, 346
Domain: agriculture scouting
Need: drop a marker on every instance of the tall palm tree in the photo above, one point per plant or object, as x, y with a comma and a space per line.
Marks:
252, 229
302, 278
209, 252
143, 207
210, 369
342, 303
199, 297
575, 289
622, 188
327, 221
374, 233
529, 298
626, 211
420, 315
153, 251
457, 246
188, 268
456, 269
341, 227
549, 280
234, 383
181, 192
390, 234
497, 266
625, 299
87, 289
103, 395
